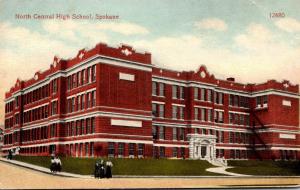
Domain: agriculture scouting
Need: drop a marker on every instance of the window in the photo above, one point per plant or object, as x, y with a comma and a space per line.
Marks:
218, 136
73, 104
77, 79
230, 137
209, 95
161, 110
131, 151
231, 118
242, 120
93, 98
93, 73
93, 124
174, 92
92, 149
17, 101
174, 112
68, 105
82, 101
209, 115
236, 101
141, 148
54, 86
181, 111
203, 114
174, 152
161, 152
74, 81
17, 119
236, 119
82, 127
202, 94
154, 88
232, 154
88, 131
237, 137
231, 97
247, 120
181, 92
181, 134
243, 138
216, 97
154, 132
54, 107
88, 100
82, 77
88, 74
52, 130
265, 100
78, 102
221, 136
120, 149
154, 110
258, 101
220, 98
221, 117
161, 132
196, 114
246, 105
77, 128
174, 134
161, 89
241, 102
111, 149
182, 152
196, 93
73, 128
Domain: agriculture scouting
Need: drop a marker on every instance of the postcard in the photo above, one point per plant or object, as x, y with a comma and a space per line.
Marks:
149, 94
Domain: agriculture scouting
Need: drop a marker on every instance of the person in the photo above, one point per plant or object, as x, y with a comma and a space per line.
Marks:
109, 165
9, 156
57, 164
102, 169
97, 170
52, 165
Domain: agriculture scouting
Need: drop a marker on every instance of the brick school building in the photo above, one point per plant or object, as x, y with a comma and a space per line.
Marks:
112, 101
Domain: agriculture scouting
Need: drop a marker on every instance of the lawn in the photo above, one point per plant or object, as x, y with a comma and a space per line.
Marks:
266, 167
85, 166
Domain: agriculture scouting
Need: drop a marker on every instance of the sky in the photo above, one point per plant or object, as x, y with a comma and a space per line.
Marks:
251, 40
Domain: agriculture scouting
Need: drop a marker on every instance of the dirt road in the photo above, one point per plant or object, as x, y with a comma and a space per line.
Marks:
16, 177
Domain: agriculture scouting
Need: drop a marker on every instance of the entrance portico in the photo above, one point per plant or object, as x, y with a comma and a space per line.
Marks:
202, 146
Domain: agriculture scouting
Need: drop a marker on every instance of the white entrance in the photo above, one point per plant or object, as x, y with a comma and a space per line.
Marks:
202, 146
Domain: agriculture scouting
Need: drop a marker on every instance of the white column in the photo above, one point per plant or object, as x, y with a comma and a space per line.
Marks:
199, 152
208, 151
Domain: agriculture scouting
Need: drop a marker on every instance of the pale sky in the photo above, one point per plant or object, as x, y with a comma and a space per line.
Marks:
231, 37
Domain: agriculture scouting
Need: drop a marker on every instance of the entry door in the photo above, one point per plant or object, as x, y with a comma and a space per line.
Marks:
52, 149
203, 151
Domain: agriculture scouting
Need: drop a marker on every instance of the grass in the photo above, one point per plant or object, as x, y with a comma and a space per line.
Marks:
85, 166
266, 167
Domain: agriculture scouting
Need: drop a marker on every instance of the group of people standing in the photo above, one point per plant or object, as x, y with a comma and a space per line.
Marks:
103, 170
55, 164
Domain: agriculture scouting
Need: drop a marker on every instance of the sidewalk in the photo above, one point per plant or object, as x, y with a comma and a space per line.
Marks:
42, 169
222, 170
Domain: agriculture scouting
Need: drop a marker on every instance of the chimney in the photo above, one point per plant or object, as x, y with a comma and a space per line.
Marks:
231, 79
